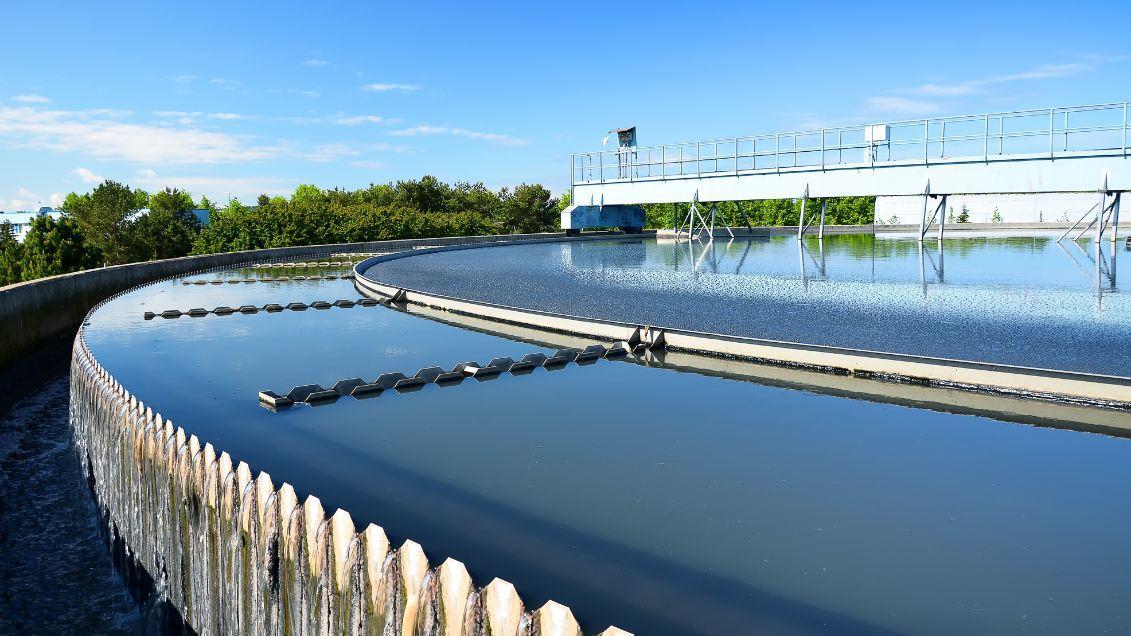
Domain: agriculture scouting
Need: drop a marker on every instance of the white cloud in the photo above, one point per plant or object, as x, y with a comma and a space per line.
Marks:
26, 200
900, 106
325, 153
31, 99
87, 176
315, 63
223, 82
499, 138
214, 187
1046, 71
383, 88
103, 136
186, 118
308, 93
368, 165
184, 79
354, 120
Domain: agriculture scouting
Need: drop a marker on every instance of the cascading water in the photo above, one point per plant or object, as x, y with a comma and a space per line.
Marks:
234, 554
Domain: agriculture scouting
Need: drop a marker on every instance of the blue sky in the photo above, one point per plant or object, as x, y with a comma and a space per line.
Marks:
221, 98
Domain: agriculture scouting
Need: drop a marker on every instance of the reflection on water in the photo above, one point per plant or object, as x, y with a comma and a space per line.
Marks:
1013, 300
655, 500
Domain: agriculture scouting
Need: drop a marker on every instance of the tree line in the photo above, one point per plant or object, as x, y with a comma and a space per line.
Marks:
115, 224
107, 226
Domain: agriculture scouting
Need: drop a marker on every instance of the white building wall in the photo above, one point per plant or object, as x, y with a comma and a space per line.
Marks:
1012, 208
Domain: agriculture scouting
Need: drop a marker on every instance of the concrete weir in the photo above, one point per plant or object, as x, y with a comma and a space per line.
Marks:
236, 553
1051, 384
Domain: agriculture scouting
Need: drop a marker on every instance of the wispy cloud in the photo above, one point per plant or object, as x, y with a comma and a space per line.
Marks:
26, 200
184, 79
87, 176
900, 106
354, 120
212, 186
368, 165
315, 63
224, 82
307, 93
1045, 71
425, 130
31, 99
190, 117
104, 136
325, 153
385, 88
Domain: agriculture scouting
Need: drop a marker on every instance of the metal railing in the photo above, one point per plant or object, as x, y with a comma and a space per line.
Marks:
1098, 129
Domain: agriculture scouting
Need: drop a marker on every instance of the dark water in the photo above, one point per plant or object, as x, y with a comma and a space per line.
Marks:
1018, 300
658, 501
56, 575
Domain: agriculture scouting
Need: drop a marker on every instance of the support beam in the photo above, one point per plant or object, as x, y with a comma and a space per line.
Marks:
1115, 220
821, 229
923, 216
942, 221
801, 221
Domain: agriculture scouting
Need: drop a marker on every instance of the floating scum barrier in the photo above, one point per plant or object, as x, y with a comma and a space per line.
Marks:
234, 553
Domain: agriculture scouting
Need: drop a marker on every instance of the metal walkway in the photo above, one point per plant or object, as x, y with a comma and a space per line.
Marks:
1047, 150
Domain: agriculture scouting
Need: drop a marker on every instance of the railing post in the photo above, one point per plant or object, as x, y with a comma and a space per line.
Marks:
1066, 131
1124, 128
1050, 133
663, 162
698, 161
926, 140
736, 156
942, 141
601, 166
822, 150
986, 141
777, 152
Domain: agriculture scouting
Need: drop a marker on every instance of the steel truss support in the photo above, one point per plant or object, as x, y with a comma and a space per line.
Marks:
695, 225
938, 213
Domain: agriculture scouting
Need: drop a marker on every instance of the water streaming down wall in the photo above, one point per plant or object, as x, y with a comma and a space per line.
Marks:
234, 553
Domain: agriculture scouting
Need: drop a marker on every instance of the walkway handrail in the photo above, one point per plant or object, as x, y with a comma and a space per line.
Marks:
1089, 130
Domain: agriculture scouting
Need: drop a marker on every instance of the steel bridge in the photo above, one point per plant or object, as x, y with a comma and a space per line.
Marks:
1050, 150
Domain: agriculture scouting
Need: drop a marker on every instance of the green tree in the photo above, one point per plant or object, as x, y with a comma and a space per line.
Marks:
427, 195
964, 215
105, 216
11, 256
996, 217
168, 230
54, 247
531, 208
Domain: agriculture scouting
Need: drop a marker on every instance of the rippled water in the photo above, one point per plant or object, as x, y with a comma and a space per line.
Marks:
655, 500
1019, 300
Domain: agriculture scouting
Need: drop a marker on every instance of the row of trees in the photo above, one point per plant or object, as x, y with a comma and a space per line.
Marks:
767, 213
116, 224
